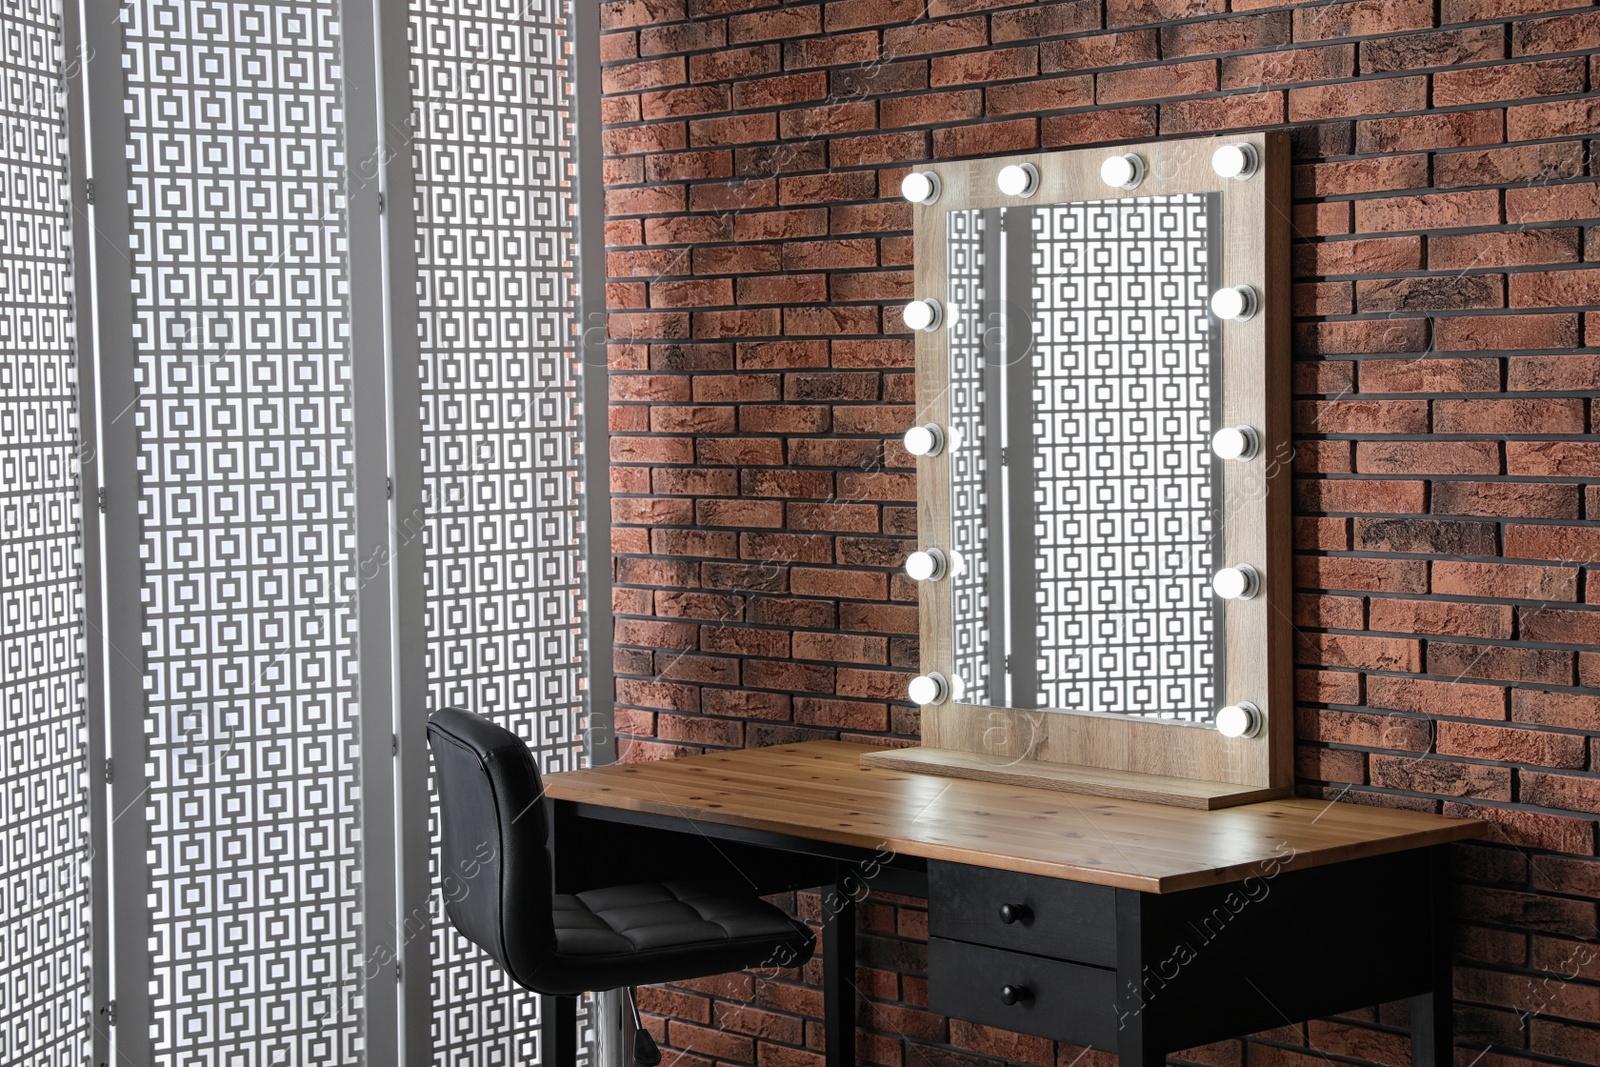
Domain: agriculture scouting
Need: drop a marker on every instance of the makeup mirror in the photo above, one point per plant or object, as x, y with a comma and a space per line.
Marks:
1102, 448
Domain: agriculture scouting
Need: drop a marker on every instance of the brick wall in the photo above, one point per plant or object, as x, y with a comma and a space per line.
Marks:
1447, 264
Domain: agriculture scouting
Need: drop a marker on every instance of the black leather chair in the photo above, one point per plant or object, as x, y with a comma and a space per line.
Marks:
495, 850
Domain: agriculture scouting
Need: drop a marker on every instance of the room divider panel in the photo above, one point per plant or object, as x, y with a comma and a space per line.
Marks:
334, 311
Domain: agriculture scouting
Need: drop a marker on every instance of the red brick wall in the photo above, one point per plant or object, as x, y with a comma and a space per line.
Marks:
1447, 264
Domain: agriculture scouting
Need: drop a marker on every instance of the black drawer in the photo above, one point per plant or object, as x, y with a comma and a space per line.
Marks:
1052, 998
1050, 917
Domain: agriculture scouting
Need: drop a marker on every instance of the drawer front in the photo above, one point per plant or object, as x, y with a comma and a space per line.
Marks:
1049, 916
1052, 998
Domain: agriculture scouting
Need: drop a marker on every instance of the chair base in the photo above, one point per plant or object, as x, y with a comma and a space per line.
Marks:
558, 1025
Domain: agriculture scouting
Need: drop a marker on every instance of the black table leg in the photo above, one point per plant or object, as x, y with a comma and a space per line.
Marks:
559, 1022
839, 974
1433, 1013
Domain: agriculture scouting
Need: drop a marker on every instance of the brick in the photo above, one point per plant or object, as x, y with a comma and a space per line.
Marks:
1511, 500
1518, 163
1368, 96
1440, 617
1456, 537
925, 38
1554, 203
1370, 255
1361, 18
694, 36
734, 64
1360, 416
997, 64
1440, 777
1455, 375
1359, 496
1288, 66
1567, 459
1077, 54
1426, 457
1328, 612
1510, 81
1239, 111
1513, 581
1412, 51
1554, 373
1366, 729
1500, 332
1040, 94
1565, 288
1362, 176
1358, 651
1324, 534
629, 14
1564, 33
1145, 12
1559, 626
928, 109
877, 149
1098, 127
1458, 292
1044, 20
1500, 662
1429, 211
1568, 544
1156, 82
1329, 765
990, 138
835, 50
877, 79
1510, 744
1569, 711
1423, 696
1415, 133
1558, 118
1518, 248
1214, 36
775, 24
1360, 574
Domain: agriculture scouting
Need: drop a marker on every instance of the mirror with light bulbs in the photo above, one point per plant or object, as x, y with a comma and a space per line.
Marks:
1102, 450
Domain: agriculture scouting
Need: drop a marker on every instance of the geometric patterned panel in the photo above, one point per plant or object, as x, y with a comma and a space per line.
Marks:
496, 246
242, 419
977, 601
44, 831
1123, 407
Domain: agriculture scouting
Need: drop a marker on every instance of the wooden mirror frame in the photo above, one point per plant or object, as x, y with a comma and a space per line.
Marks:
1173, 762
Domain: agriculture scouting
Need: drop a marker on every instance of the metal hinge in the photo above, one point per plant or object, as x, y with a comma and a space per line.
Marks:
108, 770
399, 974
88, 192
110, 1012
390, 486
100, 498
394, 744
380, 203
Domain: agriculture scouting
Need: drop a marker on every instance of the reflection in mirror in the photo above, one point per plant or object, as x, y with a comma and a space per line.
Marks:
1084, 391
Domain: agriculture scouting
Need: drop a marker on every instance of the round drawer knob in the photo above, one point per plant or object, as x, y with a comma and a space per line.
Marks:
1015, 913
1014, 994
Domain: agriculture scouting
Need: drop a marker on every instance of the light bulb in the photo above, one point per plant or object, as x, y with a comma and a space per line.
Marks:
929, 688
921, 187
1236, 442
1235, 303
925, 315
1236, 583
1018, 179
1123, 172
958, 562
926, 566
924, 440
1239, 720
1236, 161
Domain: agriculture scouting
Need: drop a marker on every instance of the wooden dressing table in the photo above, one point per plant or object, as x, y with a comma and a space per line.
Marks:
1119, 924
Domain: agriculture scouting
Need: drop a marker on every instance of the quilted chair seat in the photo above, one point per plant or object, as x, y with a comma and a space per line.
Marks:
495, 847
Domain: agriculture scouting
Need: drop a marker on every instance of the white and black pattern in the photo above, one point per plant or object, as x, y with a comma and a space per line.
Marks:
44, 890
496, 259
243, 420
1123, 410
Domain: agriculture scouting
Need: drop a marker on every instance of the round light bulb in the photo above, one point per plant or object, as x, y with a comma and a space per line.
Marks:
1236, 442
927, 566
1123, 172
1236, 161
1239, 720
924, 440
1234, 303
925, 315
1018, 179
929, 688
921, 187
1236, 583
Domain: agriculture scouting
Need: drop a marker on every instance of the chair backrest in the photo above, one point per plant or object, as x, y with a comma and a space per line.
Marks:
494, 841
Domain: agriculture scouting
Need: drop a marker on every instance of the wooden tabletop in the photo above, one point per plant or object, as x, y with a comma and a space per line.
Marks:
819, 791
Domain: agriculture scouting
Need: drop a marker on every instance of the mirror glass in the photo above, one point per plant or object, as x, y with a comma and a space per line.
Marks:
1084, 390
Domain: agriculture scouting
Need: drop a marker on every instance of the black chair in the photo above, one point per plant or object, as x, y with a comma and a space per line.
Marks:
500, 892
